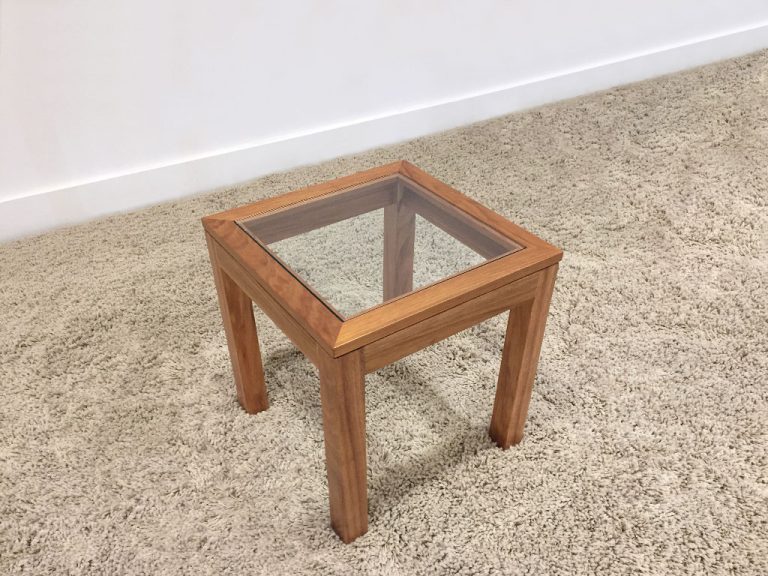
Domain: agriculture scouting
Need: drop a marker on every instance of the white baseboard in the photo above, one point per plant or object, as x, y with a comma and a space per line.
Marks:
43, 210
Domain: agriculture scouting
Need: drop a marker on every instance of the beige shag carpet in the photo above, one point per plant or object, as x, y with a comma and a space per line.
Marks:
123, 450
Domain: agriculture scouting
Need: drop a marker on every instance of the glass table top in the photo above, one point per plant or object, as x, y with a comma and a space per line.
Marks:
365, 245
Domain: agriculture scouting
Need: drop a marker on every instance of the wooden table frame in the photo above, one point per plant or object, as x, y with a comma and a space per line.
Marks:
344, 350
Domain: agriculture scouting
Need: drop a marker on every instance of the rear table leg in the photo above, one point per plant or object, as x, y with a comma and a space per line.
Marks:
242, 340
399, 236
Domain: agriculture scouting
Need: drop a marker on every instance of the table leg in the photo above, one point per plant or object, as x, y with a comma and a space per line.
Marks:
342, 391
399, 235
242, 340
525, 331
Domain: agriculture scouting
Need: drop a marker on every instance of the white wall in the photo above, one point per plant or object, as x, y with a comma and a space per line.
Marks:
107, 106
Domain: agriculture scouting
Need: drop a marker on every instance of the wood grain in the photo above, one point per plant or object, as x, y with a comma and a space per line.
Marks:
404, 342
295, 331
417, 306
525, 331
242, 340
342, 392
302, 304
399, 237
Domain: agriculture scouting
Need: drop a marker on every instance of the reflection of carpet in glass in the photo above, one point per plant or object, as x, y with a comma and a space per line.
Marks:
343, 262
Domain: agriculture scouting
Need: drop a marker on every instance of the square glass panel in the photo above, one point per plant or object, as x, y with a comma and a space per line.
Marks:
362, 246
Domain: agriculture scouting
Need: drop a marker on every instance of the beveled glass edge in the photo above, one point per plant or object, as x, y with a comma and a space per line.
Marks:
241, 223
488, 231
343, 190
294, 275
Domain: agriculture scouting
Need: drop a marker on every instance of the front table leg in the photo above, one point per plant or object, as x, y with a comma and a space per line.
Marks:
242, 340
342, 392
525, 331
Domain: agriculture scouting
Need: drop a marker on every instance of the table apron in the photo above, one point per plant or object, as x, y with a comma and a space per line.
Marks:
449, 322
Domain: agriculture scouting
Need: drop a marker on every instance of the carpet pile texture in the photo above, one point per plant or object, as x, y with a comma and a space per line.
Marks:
123, 449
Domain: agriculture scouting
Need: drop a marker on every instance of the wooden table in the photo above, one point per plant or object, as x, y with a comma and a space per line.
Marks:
517, 273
